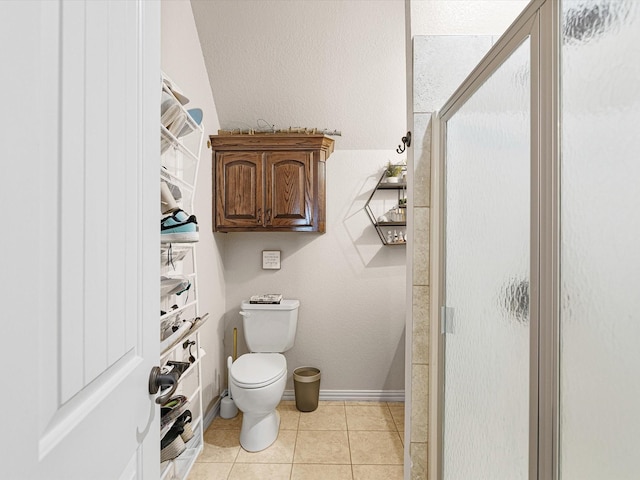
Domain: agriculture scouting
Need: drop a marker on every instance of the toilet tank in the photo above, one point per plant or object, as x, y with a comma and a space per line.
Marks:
270, 327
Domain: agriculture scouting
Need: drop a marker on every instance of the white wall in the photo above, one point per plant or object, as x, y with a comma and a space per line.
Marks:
315, 63
341, 65
182, 60
351, 288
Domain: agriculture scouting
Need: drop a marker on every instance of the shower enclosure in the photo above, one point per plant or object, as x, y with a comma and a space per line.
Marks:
538, 189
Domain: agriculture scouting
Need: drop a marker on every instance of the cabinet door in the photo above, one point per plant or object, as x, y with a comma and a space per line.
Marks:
289, 199
239, 193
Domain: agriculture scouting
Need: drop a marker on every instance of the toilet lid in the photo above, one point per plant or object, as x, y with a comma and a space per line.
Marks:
255, 370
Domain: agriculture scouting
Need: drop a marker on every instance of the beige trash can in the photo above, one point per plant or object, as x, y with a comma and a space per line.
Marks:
306, 386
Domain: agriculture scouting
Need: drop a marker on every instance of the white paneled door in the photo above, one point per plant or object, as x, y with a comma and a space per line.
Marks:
80, 83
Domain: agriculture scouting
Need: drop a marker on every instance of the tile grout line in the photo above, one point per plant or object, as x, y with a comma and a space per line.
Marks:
295, 446
346, 424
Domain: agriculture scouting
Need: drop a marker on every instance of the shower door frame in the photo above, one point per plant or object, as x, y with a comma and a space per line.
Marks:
541, 22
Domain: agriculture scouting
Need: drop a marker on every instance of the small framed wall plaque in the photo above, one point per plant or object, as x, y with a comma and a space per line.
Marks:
271, 259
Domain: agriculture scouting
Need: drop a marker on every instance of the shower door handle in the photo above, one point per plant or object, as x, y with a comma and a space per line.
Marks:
446, 320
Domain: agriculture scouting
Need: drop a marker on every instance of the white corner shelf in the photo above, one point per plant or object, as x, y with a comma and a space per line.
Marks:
390, 225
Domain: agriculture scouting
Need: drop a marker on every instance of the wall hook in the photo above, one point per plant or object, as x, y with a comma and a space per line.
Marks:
406, 142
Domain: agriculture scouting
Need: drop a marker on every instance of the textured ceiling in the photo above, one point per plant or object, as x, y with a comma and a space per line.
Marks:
334, 64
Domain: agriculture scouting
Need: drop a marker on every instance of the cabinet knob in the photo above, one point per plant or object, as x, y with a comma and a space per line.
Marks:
259, 219
269, 215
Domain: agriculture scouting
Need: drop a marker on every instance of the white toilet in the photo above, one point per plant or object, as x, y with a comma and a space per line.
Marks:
257, 379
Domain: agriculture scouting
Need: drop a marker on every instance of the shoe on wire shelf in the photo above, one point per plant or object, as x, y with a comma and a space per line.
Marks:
179, 227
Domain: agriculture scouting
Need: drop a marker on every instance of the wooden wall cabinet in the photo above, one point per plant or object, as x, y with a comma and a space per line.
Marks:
269, 182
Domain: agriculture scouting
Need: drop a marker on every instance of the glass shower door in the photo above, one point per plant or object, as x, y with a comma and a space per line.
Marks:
600, 256
487, 225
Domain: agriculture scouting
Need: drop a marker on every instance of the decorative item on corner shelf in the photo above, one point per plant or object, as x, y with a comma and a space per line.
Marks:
397, 238
394, 172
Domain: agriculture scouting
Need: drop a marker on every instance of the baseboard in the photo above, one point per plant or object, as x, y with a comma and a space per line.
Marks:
213, 411
330, 395
355, 395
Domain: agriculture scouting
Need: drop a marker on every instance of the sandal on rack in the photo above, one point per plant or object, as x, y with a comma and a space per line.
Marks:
171, 410
172, 444
185, 422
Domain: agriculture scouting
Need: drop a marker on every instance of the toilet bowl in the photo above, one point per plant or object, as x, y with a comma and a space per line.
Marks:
257, 382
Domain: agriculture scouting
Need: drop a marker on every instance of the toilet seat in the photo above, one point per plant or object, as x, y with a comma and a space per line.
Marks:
255, 370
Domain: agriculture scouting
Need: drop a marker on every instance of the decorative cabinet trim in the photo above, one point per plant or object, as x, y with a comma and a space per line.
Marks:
263, 142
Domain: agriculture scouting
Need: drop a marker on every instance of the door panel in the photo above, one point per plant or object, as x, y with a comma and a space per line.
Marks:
487, 265
289, 194
599, 302
239, 189
89, 189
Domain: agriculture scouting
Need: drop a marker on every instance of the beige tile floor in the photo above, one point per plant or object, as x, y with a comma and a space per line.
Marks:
338, 441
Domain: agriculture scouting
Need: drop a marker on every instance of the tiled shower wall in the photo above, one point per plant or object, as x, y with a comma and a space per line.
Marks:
440, 64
